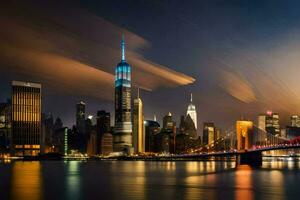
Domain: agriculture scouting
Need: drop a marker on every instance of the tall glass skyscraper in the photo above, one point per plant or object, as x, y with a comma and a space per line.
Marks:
122, 139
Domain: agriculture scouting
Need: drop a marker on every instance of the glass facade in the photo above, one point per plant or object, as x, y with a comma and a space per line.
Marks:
123, 127
26, 118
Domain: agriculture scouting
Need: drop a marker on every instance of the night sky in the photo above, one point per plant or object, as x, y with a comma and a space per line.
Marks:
238, 58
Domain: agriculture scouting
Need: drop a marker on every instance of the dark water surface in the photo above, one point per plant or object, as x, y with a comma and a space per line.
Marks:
148, 180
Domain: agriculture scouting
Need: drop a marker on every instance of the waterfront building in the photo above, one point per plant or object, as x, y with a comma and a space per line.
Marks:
47, 131
162, 142
169, 128
103, 121
107, 144
5, 127
60, 140
80, 117
103, 126
92, 143
191, 111
208, 133
138, 126
244, 133
152, 128
122, 138
26, 118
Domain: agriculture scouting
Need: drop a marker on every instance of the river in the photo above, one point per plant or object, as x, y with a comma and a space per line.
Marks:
71, 180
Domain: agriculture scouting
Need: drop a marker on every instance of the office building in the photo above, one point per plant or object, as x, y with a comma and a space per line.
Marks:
26, 118
152, 128
103, 126
208, 133
80, 117
295, 121
5, 126
138, 126
168, 122
269, 122
169, 129
122, 137
187, 127
107, 144
92, 143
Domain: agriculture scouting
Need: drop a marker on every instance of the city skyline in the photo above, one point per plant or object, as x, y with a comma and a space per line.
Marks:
129, 99
230, 78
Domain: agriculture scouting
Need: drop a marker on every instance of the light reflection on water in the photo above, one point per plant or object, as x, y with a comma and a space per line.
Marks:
26, 181
276, 179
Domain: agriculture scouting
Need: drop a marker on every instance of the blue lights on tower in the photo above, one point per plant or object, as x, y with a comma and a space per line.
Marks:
123, 70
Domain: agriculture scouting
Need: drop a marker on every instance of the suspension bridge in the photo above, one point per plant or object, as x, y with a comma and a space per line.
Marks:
246, 142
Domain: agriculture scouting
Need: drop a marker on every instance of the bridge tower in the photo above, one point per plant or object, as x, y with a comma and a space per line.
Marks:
244, 133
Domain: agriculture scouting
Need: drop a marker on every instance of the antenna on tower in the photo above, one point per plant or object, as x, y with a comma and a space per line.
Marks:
154, 118
191, 97
138, 93
123, 47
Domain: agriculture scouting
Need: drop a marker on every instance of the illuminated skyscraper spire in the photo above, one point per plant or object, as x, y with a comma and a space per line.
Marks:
123, 127
192, 111
123, 47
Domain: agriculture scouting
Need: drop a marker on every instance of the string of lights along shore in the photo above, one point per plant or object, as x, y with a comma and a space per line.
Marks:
26, 131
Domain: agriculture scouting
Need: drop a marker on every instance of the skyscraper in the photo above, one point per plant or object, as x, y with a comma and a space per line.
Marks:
168, 123
5, 126
169, 130
269, 122
26, 118
262, 122
152, 128
295, 121
80, 117
103, 127
138, 126
192, 112
122, 138
208, 133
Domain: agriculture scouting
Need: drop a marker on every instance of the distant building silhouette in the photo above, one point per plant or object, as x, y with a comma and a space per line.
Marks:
103, 127
80, 117
5, 126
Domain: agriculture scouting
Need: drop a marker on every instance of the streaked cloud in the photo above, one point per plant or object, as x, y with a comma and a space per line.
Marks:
75, 52
237, 86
